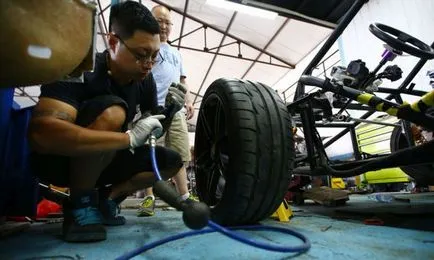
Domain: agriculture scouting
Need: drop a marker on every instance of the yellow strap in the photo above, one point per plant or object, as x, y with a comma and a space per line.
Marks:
364, 98
393, 111
427, 99
379, 107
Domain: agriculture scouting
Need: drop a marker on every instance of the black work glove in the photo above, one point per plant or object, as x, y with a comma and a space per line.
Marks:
175, 98
168, 111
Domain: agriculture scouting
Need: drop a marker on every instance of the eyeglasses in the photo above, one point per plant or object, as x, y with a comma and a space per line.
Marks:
140, 59
166, 22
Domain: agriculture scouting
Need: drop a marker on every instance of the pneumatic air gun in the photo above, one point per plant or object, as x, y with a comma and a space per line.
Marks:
195, 214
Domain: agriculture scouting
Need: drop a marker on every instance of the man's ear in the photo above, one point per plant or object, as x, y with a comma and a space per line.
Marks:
112, 41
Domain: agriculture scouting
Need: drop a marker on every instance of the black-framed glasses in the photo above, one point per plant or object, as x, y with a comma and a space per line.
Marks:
166, 22
140, 59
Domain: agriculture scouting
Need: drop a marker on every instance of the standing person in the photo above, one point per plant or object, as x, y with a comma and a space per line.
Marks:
78, 131
168, 69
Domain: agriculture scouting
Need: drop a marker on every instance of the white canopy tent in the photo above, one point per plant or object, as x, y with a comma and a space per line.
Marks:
238, 45
269, 48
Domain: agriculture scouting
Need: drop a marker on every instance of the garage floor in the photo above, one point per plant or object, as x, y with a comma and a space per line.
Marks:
335, 233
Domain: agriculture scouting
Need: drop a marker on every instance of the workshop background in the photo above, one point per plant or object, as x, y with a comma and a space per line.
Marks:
380, 218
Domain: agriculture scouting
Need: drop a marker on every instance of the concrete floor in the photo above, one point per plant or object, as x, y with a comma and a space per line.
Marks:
334, 235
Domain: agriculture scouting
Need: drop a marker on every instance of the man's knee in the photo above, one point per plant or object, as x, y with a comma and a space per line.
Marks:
111, 119
176, 164
173, 163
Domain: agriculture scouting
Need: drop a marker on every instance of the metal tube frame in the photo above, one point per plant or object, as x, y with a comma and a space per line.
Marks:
346, 19
302, 105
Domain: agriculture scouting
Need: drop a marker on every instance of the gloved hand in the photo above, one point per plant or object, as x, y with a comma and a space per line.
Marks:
140, 132
176, 96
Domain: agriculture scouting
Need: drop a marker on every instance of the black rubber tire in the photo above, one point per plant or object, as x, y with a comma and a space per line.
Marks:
252, 130
422, 174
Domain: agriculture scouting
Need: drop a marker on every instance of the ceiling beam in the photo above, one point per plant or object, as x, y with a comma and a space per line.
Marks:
183, 21
102, 16
105, 8
25, 94
183, 36
226, 33
216, 53
232, 56
266, 46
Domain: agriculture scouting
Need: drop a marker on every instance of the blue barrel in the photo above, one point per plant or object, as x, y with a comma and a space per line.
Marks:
18, 187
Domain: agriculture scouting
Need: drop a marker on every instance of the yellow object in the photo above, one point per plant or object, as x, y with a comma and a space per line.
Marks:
415, 106
426, 100
375, 139
364, 98
62, 189
283, 213
358, 180
338, 183
389, 175
393, 111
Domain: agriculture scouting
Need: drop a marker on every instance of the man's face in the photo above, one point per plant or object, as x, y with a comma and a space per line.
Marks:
163, 18
135, 56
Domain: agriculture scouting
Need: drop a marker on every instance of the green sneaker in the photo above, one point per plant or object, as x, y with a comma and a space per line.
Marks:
147, 207
193, 198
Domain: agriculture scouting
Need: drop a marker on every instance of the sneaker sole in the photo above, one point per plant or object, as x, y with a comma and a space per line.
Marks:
114, 222
145, 214
88, 237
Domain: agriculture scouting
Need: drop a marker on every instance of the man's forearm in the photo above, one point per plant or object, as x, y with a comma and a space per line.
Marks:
56, 136
188, 98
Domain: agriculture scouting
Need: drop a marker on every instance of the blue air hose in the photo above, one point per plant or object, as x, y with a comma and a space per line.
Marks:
214, 227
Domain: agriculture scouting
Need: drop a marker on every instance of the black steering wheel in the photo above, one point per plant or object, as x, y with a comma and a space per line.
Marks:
399, 42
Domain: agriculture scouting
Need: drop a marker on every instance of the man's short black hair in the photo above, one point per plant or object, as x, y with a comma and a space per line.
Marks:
127, 17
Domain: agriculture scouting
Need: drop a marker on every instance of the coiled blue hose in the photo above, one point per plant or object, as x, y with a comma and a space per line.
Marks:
214, 227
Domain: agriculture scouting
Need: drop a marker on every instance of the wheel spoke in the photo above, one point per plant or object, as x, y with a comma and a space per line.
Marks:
210, 177
204, 158
224, 160
219, 124
213, 179
209, 135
